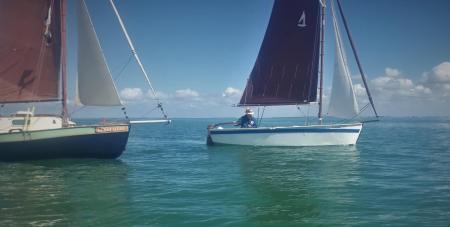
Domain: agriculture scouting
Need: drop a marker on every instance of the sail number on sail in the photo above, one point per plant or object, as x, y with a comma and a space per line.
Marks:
302, 21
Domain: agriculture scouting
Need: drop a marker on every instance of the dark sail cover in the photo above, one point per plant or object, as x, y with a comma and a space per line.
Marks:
286, 70
30, 49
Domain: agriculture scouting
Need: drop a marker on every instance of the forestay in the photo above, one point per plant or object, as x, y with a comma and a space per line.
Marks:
95, 84
286, 69
343, 102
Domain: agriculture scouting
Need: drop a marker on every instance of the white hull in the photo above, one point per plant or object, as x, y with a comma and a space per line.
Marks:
314, 135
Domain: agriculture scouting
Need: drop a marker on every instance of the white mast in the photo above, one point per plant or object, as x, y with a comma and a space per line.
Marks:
133, 51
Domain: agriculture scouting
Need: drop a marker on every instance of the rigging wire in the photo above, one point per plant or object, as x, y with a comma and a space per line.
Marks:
357, 58
116, 79
138, 60
356, 115
76, 110
257, 118
261, 117
301, 113
307, 115
150, 111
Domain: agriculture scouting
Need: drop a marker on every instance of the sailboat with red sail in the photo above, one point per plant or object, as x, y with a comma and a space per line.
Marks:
289, 71
33, 54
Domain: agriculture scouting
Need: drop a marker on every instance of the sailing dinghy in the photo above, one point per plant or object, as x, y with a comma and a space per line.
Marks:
33, 69
289, 71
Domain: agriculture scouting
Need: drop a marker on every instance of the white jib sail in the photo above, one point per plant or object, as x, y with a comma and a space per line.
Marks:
343, 102
95, 84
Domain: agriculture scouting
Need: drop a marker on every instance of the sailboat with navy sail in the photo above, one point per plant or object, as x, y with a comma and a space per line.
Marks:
289, 71
33, 54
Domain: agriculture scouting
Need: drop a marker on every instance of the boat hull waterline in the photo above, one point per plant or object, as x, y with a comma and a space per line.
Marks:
100, 141
314, 135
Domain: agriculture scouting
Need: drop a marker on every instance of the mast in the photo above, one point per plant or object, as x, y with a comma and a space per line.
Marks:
64, 113
138, 60
322, 42
357, 58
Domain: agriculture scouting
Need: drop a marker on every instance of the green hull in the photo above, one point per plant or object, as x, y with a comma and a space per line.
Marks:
98, 141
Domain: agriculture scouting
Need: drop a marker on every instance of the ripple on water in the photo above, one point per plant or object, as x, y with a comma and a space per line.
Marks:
397, 174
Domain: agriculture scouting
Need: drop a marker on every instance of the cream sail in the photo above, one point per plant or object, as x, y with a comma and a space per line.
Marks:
95, 84
343, 102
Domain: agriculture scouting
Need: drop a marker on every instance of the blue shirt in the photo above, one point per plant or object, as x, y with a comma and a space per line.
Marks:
247, 122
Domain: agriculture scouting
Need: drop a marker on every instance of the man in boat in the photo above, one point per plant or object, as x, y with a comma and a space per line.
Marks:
247, 121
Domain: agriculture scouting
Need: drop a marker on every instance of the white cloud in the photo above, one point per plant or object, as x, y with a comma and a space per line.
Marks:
230, 91
438, 80
398, 94
391, 72
131, 94
385, 82
186, 93
359, 90
394, 93
395, 85
420, 89
230, 96
440, 73
159, 95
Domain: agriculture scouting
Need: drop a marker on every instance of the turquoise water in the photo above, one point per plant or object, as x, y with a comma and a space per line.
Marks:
398, 174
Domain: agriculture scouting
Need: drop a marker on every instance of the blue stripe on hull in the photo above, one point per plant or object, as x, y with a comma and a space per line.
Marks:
102, 146
286, 130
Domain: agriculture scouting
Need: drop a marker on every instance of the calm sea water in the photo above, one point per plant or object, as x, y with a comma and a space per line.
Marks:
398, 174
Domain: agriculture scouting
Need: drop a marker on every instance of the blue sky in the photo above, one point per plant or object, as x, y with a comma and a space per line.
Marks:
195, 50
199, 53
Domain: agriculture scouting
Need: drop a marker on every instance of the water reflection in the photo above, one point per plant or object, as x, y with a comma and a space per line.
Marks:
63, 192
297, 185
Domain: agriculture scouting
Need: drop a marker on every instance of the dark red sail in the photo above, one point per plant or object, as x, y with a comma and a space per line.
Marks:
30, 48
286, 70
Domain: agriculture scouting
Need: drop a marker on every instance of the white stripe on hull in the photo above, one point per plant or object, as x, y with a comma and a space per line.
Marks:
343, 134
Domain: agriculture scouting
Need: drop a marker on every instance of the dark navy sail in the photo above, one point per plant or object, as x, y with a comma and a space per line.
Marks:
286, 70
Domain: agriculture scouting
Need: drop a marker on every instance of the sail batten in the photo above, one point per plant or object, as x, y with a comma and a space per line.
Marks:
94, 83
343, 102
30, 49
286, 69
